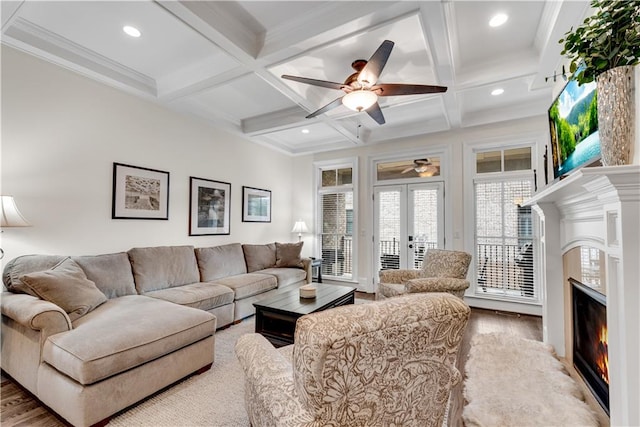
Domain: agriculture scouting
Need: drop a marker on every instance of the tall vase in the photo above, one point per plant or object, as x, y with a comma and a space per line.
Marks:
616, 114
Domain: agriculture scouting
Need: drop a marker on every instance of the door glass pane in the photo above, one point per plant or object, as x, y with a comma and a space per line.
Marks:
412, 168
517, 159
389, 229
425, 223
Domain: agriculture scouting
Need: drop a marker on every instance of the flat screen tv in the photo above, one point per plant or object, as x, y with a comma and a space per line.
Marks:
573, 124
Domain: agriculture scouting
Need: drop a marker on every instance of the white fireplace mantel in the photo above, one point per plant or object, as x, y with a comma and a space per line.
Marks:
598, 207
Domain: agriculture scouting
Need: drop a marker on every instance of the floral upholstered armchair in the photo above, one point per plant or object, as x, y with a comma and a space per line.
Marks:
386, 363
442, 271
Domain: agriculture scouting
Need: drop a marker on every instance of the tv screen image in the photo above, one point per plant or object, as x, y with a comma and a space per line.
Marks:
573, 124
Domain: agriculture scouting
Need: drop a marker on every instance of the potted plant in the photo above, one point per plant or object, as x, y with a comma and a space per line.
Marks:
605, 48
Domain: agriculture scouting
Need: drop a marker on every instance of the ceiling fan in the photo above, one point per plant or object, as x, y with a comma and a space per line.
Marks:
423, 167
362, 88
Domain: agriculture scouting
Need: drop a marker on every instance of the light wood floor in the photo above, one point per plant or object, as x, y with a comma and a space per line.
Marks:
19, 409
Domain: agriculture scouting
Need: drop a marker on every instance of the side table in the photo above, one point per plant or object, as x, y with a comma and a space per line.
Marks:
316, 263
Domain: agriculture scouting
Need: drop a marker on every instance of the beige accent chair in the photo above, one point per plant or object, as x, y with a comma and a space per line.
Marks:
384, 363
442, 271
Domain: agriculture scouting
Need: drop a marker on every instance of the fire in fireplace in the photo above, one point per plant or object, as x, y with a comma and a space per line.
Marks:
590, 340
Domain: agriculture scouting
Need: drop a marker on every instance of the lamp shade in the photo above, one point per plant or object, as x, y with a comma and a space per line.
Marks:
10, 215
300, 227
359, 100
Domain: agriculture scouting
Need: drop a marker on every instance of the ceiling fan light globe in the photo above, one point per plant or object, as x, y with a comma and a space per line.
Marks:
359, 100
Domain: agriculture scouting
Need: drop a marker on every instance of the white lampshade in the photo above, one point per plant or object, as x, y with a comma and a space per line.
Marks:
10, 215
359, 100
300, 227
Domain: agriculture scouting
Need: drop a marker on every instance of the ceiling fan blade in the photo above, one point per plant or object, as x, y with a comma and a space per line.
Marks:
329, 106
409, 169
394, 89
314, 82
376, 113
371, 72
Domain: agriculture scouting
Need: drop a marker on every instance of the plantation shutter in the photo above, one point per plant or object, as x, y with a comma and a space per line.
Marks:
336, 237
504, 238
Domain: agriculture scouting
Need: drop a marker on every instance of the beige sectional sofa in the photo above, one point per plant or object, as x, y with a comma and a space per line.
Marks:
92, 335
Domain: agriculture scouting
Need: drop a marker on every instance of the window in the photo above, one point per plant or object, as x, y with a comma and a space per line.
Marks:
336, 214
504, 251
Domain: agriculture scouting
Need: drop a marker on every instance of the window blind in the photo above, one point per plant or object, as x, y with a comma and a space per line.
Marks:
504, 239
336, 238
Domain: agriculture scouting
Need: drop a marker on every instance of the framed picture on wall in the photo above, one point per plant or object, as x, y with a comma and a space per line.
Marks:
139, 193
256, 205
209, 205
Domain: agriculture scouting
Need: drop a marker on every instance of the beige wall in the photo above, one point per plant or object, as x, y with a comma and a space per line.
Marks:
61, 134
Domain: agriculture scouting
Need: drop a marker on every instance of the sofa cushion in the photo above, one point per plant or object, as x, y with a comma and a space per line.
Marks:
220, 261
124, 333
286, 276
110, 272
259, 257
288, 254
246, 285
66, 286
205, 296
18, 267
163, 267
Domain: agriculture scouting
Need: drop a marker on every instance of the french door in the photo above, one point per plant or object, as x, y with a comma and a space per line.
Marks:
408, 220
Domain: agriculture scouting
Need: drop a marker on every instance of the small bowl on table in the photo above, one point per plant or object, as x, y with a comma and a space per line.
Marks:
308, 291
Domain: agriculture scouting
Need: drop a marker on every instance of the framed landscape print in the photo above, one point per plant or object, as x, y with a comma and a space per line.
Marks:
256, 205
139, 193
209, 204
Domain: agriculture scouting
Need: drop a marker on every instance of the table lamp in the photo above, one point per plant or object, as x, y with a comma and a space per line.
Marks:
299, 227
10, 216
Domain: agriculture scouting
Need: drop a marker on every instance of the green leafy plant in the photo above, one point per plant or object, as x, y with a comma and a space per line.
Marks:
609, 38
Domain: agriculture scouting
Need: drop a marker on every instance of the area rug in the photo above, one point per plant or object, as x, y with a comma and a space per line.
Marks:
214, 398
512, 381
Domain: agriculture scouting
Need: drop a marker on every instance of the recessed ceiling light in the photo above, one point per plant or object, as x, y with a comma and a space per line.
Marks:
131, 31
498, 19
305, 130
497, 92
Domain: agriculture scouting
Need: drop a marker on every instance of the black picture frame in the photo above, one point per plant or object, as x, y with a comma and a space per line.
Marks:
256, 204
139, 193
209, 207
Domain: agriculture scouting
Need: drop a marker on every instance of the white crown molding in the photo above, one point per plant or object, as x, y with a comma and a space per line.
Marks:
31, 38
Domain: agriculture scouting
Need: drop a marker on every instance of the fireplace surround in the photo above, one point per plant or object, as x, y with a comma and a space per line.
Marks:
597, 207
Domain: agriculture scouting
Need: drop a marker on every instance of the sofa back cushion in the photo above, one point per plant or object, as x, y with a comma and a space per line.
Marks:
220, 261
259, 257
18, 267
163, 267
110, 272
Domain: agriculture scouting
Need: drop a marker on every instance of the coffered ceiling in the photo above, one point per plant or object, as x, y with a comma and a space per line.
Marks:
222, 60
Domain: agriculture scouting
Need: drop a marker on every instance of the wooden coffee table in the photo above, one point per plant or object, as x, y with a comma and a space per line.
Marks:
276, 316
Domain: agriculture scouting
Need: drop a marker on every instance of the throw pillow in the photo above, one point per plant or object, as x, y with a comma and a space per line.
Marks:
66, 286
288, 254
